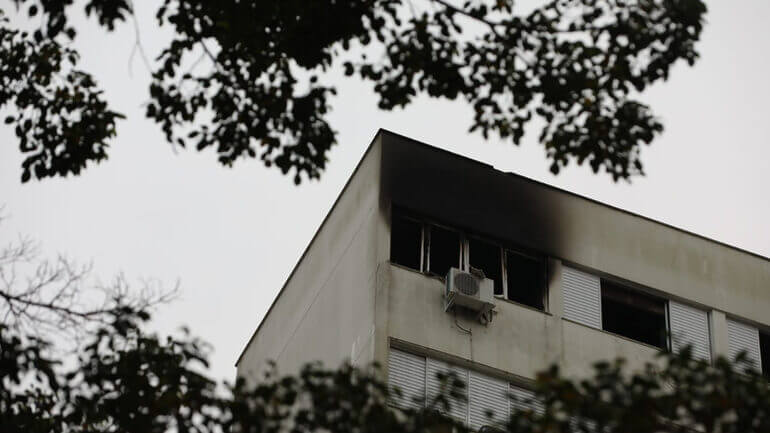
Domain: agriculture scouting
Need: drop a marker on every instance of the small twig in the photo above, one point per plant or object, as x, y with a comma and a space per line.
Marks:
138, 47
54, 297
411, 7
492, 25
209, 53
196, 62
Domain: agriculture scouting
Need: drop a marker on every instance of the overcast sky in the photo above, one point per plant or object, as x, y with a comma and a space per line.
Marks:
232, 236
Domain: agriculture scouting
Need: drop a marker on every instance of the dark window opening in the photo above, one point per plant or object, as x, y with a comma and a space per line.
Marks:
526, 280
424, 247
444, 251
634, 315
405, 242
764, 349
487, 257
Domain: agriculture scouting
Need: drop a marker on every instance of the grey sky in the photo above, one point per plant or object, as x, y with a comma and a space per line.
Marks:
233, 235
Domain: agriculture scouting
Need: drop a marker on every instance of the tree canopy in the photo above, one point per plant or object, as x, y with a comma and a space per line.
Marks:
258, 88
121, 378
126, 380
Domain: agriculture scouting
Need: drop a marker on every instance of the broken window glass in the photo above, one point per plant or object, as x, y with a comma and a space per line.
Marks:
405, 242
633, 314
444, 250
526, 279
487, 257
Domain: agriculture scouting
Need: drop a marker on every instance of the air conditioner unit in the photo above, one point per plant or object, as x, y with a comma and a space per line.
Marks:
470, 290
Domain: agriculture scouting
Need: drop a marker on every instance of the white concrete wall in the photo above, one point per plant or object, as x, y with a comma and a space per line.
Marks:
520, 341
325, 311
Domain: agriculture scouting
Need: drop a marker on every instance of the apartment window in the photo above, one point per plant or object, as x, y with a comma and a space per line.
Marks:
433, 249
526, 279
406, 242
608, 305
444, 250
633, 314
489, 258
764, 349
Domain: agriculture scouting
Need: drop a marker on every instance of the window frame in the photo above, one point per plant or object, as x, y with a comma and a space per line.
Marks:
764, 332
501, 249
631, 287
464, 264
542, 261
408, 217
426, 240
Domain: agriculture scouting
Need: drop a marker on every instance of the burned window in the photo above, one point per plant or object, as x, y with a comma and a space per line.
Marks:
632, 314
444, 251
434, 249
487, 257
406, 242
764, 349
526, 279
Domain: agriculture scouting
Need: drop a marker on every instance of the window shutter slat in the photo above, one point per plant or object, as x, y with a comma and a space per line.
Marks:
458, 408
524, 399
407, 373
487, 394
417, 378
690, 325
582, 297
742, 337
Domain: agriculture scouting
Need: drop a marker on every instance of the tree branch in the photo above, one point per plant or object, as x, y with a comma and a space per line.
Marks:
492, 25
56, 297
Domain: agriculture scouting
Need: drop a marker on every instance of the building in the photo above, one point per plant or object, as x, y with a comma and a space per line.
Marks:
575, 281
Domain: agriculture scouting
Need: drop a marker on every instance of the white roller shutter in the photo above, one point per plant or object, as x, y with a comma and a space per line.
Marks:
689, 326
582, 297
587, 424
406, 372
742, 337
487, 394
458, 408
524, 399
416, 377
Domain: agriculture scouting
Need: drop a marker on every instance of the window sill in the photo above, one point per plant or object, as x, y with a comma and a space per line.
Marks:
426, 274
622, 337
528, 307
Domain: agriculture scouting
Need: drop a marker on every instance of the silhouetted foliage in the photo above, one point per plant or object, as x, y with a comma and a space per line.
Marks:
578, 65
126, 380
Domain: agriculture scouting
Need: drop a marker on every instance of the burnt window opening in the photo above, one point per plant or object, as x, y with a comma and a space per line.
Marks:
634, 315
424, 247
487, 257
526, 279
406, 242
443, 250
764, 350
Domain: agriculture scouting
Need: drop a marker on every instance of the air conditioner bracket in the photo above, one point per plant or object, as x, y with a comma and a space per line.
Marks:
484, 310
